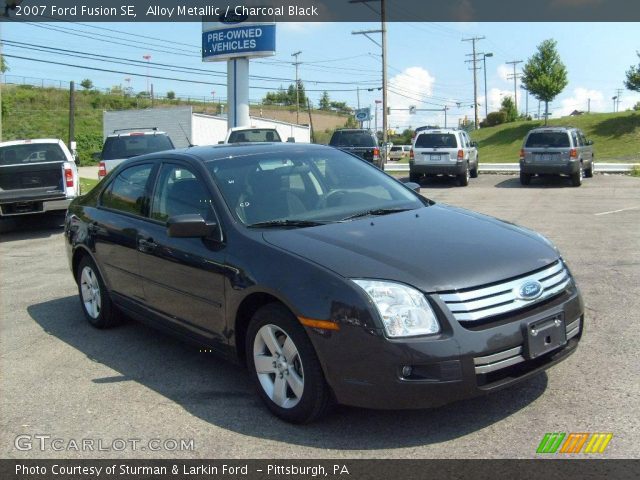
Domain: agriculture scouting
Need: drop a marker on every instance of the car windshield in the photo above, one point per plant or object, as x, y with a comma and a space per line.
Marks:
548, 139
254, 135
352, 139
307, 186
31, 153
436, 140
126, 146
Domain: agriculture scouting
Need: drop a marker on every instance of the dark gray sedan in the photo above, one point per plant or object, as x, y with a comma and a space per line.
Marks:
330, 280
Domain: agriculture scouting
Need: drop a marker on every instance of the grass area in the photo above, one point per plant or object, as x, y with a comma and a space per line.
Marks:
86, 184
616, 137
636, 171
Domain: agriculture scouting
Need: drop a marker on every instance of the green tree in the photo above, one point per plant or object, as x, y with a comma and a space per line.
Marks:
87, 84
302, 95
544, 74
632, 81
509, 109
4, 66
325, 101
171, 95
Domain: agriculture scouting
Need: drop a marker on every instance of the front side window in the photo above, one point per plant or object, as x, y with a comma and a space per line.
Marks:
126, 193
306, 185
178, 191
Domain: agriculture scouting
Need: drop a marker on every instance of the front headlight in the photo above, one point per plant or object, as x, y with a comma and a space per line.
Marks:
405, 311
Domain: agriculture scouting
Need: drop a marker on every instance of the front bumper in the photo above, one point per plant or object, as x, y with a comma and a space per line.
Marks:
364, 368
568, 168
438, 168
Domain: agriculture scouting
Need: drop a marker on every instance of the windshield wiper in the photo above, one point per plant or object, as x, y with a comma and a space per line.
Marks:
287, 223
376, 211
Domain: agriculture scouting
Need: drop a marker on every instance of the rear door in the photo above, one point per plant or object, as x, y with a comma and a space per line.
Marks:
115, 225
183, 277
586, 150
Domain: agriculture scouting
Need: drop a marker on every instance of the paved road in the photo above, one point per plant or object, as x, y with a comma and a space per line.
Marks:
61, 377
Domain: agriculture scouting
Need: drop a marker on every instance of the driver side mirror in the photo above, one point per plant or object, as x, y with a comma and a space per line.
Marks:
589, 142
413, 186
191, 225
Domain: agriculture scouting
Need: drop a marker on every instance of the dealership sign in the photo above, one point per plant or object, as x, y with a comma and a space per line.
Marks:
234, 37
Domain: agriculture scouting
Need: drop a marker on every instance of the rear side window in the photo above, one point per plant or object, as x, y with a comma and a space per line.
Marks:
126, 192
548, 139
254, 135
31, 153
352, 139
131, 145
436, 140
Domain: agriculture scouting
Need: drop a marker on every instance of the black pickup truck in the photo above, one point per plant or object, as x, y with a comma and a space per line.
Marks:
360, 142
36, 176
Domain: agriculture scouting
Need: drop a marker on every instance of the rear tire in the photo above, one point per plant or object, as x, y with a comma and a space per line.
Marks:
525, 178
94, 298
463, 179
284, 366
576, 178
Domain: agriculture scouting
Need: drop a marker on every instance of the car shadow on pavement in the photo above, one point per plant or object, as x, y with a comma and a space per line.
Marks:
31, 226
222, 394
537, 182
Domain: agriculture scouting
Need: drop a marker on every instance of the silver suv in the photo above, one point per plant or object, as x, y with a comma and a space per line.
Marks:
556, 151
444, 151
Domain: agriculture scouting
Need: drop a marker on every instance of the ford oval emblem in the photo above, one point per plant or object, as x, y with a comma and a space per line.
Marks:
530, 290
232, 18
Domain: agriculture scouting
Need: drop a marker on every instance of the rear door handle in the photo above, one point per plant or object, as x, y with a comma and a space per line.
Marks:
146, 245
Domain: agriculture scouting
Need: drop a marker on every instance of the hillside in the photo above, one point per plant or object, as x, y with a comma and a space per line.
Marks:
616, 137
33, 112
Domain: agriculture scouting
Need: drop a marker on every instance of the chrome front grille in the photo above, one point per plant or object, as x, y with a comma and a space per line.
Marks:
477, 304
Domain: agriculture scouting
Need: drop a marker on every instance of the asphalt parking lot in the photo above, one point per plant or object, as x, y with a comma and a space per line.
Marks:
62, 378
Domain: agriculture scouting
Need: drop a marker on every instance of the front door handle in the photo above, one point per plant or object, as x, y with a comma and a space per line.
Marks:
146, 245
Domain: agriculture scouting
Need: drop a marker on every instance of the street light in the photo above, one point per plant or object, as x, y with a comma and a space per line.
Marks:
147, 57
484, 63
614, 103
526, 113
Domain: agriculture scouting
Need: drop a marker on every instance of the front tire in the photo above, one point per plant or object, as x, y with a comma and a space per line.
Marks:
474, 171
588, 172
94, 298
576, 178
284, 366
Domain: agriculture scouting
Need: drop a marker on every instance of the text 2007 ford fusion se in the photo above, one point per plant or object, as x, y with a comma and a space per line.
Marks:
330, 280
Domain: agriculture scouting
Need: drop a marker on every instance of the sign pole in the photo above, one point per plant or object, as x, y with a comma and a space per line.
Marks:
238, 92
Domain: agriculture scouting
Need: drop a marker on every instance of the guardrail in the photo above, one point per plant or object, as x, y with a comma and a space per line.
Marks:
600, 167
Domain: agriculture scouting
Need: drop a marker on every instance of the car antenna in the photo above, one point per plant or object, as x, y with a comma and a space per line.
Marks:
185, 135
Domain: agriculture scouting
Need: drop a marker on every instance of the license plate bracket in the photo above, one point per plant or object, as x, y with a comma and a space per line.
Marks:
544, 336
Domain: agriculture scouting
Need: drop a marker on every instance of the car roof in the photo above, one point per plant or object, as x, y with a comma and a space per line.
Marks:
235, 129
136, 133
440, 130
209, 153
553, 129
30, 141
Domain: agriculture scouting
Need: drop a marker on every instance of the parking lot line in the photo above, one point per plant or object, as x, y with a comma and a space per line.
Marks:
616, 211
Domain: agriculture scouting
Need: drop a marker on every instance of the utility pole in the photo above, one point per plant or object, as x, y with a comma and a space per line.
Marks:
383, 46
72, 114
588, 105
473, 41
618, 98
526, 111
486, 100
445, 116
296, 63
515, 82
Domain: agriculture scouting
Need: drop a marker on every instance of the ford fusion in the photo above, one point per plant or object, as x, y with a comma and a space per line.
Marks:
330, 280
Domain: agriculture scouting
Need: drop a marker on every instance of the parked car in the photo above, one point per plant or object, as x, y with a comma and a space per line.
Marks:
126, 143
327, 278
398, 152
252, 134
358, 141
36, 176
444, 151
556, 151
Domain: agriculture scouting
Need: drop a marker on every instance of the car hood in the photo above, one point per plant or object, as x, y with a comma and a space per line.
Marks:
435, 248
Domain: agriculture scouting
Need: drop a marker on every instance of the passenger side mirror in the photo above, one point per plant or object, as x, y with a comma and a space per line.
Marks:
191, 225
221, 142
291, 140
474, 144
413, 186
96, 155
589, 142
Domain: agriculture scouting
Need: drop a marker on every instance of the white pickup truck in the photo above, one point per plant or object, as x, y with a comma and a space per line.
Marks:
36, 176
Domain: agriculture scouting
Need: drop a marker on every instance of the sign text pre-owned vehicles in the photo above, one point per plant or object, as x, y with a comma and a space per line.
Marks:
278, 256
